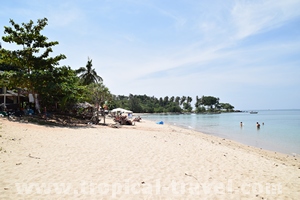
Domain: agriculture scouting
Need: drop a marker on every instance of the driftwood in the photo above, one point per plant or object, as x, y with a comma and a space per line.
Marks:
30, 156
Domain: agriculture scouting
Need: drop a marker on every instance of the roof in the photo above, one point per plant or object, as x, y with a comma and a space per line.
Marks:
121, 110
10, 93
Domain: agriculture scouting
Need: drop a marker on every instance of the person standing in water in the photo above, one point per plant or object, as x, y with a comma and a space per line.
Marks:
257, 125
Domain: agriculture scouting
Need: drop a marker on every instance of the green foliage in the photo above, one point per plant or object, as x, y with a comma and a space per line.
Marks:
200, 109
209, 101
177, 100
5, 78
120, 101
212, 104
134, 103
228, 107
88, 75
146, 104
182, 100
34, 54
98, 93
59, 86
31, 67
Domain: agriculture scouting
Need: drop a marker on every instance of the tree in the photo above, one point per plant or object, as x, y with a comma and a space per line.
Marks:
197, 104
177, 100
226, 106
189, 99
98, 94
209, 101
200, 109
182, 100
58, 87
166, 100
172, 99
187, 105
32, 58
134, 104
161, 102
173, 107
88, 75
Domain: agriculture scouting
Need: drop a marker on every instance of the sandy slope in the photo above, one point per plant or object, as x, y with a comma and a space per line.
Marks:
145, 161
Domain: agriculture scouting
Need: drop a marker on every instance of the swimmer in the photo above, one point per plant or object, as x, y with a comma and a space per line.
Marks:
257, 125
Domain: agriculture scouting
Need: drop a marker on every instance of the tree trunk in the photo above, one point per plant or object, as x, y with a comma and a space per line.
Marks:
4, 96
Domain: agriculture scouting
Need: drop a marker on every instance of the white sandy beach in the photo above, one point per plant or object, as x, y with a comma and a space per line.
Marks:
145, 161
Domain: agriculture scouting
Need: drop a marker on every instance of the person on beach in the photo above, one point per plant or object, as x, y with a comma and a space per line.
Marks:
45, 113
257, 125
241, 124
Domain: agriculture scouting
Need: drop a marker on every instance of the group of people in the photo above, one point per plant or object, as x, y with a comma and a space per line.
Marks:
257, 124
19, 112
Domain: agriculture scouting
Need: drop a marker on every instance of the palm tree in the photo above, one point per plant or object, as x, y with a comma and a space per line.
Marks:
182, 100
88, 75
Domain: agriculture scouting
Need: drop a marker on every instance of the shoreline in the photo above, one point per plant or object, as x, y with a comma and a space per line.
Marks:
229, 142
257, 138
140, 157
232, 140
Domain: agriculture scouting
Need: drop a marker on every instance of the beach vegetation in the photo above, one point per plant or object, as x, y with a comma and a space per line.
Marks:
187, 107
32, 68
88, 75
60, 87
33, 54
227, 106
200, 109
177, 100
211, 104
99, 95
147, 104
134, 103
182, 100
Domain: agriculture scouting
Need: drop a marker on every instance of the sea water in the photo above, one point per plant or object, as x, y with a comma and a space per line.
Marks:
279, 129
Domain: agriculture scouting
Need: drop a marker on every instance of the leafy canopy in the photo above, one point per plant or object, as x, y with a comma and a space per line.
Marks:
33, 55
31, 66
88, 75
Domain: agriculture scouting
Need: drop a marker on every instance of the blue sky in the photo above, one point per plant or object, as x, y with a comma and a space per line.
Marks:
247, 53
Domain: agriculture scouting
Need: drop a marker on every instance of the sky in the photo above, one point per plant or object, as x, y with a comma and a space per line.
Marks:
246, 52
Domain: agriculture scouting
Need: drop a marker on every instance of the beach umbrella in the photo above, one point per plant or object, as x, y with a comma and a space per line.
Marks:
120, 110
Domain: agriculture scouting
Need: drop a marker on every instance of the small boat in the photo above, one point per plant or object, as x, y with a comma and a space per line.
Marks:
253, 112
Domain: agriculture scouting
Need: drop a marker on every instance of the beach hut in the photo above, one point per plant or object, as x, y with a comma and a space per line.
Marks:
10, 99
84, 105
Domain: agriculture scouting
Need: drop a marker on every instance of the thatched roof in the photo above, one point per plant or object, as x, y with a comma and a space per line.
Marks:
84, 105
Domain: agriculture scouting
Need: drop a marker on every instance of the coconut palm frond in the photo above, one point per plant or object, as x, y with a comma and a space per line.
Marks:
87, 74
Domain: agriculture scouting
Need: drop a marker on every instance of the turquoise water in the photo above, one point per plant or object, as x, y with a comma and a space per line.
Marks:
280, 132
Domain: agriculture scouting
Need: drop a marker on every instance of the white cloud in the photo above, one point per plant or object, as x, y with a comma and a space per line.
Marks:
257, 16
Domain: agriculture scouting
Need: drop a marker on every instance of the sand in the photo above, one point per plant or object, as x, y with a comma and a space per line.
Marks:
145, 161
